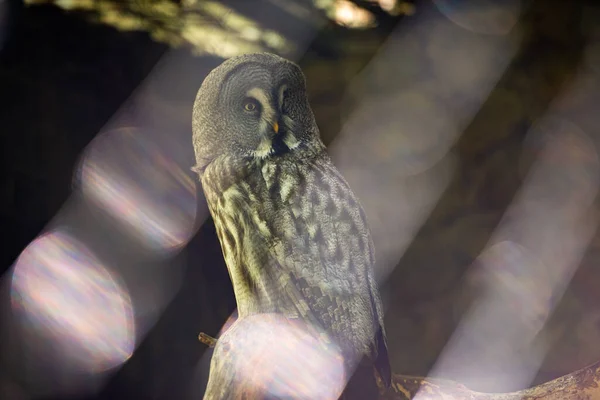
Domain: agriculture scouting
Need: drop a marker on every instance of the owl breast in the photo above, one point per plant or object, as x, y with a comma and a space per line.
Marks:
316, 218
293, 234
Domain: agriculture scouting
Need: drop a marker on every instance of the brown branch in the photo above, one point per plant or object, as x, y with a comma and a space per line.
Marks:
580, 385
583, 384
207, 340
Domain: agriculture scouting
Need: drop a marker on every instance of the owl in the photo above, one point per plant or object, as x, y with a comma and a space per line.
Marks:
293, 234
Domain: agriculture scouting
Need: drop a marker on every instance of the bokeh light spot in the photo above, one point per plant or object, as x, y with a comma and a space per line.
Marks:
491, 17
350, 15
138, 182
267, 354
562, 143
65, 292
521, 281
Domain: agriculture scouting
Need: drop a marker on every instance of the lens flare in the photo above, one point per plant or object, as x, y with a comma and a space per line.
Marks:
68, 296
269, 355
491, 17
139, 183
524, 271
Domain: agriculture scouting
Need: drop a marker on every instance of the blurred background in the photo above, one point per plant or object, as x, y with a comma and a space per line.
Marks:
468, 129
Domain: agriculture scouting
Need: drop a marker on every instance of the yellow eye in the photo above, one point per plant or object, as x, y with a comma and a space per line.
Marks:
250, 106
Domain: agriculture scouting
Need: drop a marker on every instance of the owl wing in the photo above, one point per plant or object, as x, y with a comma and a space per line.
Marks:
350, 300
379, 351
333, 312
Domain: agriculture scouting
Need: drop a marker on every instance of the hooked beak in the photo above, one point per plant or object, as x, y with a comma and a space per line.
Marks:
276, 127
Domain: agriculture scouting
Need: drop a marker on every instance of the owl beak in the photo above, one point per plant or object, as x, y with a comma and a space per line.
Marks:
276, 127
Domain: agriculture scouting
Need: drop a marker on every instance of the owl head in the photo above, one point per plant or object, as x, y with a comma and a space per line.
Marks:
252, 106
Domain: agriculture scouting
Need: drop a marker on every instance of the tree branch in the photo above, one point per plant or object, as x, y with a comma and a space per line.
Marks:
583, 384
207, 340
580, 385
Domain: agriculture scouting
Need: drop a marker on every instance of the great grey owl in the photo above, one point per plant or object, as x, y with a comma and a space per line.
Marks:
294, 236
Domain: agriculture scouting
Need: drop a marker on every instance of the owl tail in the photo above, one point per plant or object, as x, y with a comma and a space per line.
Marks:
382, 360
363, 383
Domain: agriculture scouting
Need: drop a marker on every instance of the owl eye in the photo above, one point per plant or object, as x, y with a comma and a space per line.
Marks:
251, 106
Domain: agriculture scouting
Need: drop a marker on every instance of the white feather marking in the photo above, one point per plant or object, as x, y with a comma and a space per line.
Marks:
296, 210
231, 194
291, 141
312, 230
264, 149
286, 189
268, 170
262, 226
263, 98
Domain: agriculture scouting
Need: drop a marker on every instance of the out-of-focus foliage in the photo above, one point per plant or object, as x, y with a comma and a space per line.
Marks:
207, 26
211, 27
393, 7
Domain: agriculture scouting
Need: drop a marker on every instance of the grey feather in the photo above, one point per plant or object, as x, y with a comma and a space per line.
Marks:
294, 236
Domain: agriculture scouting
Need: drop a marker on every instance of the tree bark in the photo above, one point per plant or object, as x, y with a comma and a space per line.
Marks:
583, 384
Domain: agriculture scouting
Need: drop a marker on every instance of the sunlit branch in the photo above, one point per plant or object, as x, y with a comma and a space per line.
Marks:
579, 385
211, 27
207, 27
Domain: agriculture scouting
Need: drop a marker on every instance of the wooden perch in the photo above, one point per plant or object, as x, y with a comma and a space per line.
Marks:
207, 340
580, 385
583, 384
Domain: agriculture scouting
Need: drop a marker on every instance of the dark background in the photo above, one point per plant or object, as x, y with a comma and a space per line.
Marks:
63, 77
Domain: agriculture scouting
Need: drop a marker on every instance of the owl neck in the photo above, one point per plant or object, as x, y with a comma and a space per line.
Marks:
225, 171
222, 173
238, 195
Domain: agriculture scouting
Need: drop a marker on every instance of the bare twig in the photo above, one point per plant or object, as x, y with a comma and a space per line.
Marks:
207, 340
